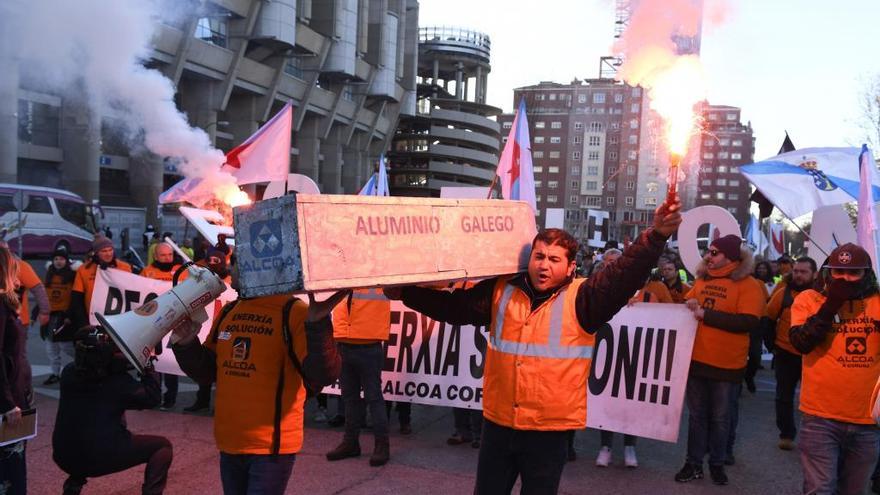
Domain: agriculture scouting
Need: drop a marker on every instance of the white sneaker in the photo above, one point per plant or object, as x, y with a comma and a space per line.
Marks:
629, 457
321, 415
604, 457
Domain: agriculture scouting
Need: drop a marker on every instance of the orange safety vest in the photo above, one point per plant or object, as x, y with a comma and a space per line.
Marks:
838, 376
27, 280
85, 280
714, 346
259, 390
58, 293
537, 362
363, 318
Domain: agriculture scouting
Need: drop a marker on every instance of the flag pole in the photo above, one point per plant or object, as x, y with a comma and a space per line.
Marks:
807, 236
492, 186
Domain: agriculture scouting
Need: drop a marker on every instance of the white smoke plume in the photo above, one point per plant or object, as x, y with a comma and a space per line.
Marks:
98, 47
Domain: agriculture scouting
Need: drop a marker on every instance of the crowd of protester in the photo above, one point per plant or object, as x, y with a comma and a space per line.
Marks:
745, 307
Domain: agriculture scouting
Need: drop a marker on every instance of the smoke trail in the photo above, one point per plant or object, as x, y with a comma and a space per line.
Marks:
99, 46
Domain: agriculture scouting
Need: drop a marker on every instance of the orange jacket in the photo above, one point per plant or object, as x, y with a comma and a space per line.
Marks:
251, 356
659, 290
713, 346
363, 318
537, 362
678, 291
27, 279
85, 280
839, 374
782, 316
157, 274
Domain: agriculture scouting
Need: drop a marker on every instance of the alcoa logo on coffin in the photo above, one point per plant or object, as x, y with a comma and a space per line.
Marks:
266, 247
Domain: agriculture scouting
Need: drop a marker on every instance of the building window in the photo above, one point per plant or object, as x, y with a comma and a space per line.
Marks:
573, 200
713, 116
636, 92
705, 195
612, 155
38, 123
591, 185
724, 142
651, 187
575, 171
551, 198
630, 185
736, 156
609, 201
504, 140
539, 139
594, 201
552, 96
709, 143
537, 198
576, 155
650, 201
634, 124
721, 182
630, 169
552, 184
595, 127
618, 98
706, 182
555, 139
629, 201
707, 170
593, 155
537, 154
214, 30
732, 209
733, 196
592, 170
538, 169
582, 98
633, 139
634, 108
731, 116
612, 186
293, 67
594, 141
538, 184
615, 126
734, 183
553, 169
708, 156
734, 170
578, 126
508, 125
720, 195
722, 168
737, 142
578, 139
556, 125
554, 154
575, 184
723, 155
539, 125
598, 97
539, 97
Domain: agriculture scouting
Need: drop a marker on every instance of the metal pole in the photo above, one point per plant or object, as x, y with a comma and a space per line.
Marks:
177, 249
20, 233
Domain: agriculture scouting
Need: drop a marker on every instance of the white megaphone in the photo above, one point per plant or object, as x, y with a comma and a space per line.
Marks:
137, 332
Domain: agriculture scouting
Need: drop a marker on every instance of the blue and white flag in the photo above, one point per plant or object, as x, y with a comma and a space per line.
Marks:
866, 225
378, 183
801, 181
756, 239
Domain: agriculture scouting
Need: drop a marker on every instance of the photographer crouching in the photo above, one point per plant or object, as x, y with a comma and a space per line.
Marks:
91, 438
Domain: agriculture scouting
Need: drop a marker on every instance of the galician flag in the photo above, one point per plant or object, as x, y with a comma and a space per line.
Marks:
866, 225
756, 239
263, 157
515, 166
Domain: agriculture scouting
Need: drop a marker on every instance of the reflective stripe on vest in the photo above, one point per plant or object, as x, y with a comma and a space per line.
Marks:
554, 347
372, 295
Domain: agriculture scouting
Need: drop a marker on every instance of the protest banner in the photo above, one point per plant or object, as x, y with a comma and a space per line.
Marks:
117, 292
640, 370
431, 362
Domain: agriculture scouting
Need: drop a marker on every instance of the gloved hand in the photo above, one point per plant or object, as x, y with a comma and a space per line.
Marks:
188, 331
837, 292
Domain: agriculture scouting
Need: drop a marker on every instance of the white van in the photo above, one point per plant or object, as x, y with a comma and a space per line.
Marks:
52, 218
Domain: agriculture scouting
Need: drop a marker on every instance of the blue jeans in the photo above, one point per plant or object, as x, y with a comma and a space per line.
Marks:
836, 457
253, 474
709, 407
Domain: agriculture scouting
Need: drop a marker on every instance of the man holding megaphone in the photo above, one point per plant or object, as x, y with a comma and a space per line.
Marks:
263, 353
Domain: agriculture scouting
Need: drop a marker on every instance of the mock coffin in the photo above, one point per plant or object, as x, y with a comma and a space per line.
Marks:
310, 242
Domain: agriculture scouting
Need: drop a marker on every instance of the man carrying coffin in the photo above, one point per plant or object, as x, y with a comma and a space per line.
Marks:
541, 335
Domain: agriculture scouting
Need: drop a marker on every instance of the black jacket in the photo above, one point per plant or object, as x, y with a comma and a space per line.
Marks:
90, 424
15, 370
597, 301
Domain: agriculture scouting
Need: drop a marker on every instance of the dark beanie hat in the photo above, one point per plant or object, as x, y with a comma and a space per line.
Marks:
61, 251
212, 251
100, 243
730, 246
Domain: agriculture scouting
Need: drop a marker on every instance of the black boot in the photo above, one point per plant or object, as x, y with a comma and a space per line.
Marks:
348, 448
381, 453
